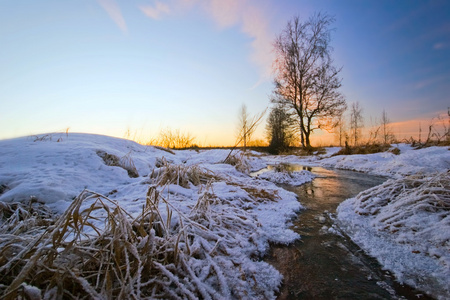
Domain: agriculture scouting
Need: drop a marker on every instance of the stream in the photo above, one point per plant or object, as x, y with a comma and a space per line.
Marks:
324, 265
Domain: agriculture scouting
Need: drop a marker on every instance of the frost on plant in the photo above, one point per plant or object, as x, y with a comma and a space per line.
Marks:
181, 174
96, 249
405, 223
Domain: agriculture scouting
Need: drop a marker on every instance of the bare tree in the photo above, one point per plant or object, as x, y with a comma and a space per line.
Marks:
251, 125
280, 129
245, 129
356, 122
306, 81
341, 129
386, 129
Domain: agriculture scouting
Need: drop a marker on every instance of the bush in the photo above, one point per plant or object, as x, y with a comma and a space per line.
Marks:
365, 149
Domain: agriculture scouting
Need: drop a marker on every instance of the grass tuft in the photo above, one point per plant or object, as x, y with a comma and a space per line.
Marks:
239, 161
125, 162
181, 175
94, 250
364, 149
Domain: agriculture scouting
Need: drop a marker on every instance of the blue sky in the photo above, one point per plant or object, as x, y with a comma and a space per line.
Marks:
108, 66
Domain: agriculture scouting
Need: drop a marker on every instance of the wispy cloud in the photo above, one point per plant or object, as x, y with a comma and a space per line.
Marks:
427, 82
248, 15
156, 11
440, 46
113, 10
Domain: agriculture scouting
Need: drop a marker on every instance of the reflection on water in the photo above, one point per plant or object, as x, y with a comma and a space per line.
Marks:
283, 167
328, 266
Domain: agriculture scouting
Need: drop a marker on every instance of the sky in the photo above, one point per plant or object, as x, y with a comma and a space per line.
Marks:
133, 68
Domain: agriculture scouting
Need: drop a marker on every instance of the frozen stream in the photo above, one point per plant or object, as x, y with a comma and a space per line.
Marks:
322, 265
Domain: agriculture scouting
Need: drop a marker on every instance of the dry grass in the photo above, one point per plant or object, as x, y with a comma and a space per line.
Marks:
125, 162
181, 175
96, 250
164, 149
417, 192
261, 195
363, 149
239, 161
50, 136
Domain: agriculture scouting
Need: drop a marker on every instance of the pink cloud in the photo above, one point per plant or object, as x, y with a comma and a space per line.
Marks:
440, 46
113, 10
253, 21
248, 15
156, 11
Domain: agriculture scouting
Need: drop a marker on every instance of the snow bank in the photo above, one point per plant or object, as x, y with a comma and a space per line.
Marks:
405, 224
295, 178
56, 172
220, 219
408, 162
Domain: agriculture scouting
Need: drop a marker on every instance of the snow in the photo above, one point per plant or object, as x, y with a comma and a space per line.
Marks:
241, 214
405, 224
409, 161
232, 215
294, 178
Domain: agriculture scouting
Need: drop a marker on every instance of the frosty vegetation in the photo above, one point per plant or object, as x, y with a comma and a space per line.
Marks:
85, 216
166, 226
405, 223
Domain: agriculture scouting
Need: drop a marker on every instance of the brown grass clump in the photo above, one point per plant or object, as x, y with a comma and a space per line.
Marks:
125, 162
22, 217
239, 161
164, 149
181, 175
363, 149
395, 151
96, 250
261, 195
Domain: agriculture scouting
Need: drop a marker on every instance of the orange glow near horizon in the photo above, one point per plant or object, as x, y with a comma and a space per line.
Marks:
403, 132
226, 136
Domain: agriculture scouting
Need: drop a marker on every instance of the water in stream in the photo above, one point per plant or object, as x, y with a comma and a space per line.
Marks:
322, 265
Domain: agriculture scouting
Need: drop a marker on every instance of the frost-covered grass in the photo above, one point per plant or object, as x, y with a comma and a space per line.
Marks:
90, 216
74, 223
405, 223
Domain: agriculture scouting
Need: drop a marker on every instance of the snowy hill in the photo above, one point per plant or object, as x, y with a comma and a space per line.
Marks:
214, 219
153, 223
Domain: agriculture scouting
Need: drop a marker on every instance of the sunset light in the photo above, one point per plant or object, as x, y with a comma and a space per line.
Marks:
224, 149
111, 67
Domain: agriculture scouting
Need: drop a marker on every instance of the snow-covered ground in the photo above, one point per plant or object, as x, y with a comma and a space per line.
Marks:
410, 161
218, 217
405, 222
279, 175
229, 217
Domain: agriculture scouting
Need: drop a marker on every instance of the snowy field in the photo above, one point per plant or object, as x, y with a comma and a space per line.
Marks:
111, 218
146, 222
